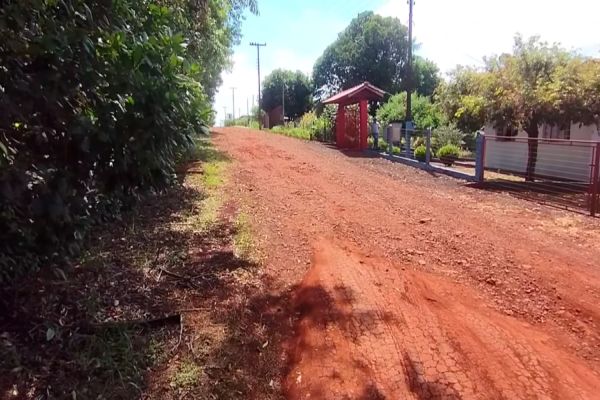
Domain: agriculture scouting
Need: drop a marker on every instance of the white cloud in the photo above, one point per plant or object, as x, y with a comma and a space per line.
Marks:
463, 31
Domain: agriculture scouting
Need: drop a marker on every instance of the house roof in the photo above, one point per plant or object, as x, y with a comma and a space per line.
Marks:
364, 91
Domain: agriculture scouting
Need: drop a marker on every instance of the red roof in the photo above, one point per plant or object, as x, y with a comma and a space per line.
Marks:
364, 91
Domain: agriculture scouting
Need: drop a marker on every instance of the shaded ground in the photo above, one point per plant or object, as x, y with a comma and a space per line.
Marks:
403, 284
188, 253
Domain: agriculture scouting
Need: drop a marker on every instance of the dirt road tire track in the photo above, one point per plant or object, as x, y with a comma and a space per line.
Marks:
418, 308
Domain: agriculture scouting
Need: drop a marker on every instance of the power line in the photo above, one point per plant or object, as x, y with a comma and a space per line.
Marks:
258, 46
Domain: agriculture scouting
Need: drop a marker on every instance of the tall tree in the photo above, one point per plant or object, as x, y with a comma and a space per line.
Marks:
462, 99
426, 75
298, 92
372, 48
518, 90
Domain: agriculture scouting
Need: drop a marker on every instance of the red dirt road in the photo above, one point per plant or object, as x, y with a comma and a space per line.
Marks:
412, 286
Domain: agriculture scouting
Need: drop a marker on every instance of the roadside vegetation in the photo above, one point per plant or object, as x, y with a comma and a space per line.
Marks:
156, 306
99, 101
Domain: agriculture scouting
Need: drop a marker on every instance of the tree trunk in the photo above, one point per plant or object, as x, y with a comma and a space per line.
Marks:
532, 145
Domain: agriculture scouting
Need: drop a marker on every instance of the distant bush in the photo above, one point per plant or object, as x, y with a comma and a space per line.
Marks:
448, 154
318, 128
444, 135
420, 153
308, 120
469, 140
299, 133
383, 145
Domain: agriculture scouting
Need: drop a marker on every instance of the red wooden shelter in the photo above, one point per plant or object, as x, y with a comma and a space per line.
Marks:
351, 124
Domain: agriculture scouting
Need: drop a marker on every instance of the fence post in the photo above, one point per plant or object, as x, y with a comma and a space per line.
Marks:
428, 146
408, 127
390, 137
479, 157
595, 181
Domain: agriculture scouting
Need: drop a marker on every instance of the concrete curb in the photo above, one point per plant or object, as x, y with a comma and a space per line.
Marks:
422, 166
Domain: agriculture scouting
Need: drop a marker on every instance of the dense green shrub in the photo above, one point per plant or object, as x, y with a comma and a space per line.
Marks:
420, 153
425, 113
98, 100
470, 141
448, 154
444, 135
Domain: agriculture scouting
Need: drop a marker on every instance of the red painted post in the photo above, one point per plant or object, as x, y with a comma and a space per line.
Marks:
340, 127
595, 181
364, 124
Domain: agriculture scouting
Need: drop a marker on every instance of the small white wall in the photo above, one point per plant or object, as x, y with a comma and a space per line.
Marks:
567, 160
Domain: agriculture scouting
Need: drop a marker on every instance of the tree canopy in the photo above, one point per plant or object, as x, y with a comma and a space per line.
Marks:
462, 98
375, 49
298, 92
536, 84
425, 113
372, 48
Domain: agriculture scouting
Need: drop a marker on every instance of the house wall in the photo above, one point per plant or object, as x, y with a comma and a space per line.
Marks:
566, 160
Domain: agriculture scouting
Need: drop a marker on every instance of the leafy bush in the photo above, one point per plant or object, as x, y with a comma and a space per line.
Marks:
99, 100
383, 145
448, 154
420, 153
425, 113
318, 128
308, 120
470, 140
444, 135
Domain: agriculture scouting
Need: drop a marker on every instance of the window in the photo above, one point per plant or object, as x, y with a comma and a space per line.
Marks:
556, 132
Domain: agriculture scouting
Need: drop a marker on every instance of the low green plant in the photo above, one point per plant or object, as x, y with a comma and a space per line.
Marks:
420, 153
186, 376
299, 133
382, 145
448, 154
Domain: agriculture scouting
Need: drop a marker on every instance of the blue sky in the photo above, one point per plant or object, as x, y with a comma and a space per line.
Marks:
450, 32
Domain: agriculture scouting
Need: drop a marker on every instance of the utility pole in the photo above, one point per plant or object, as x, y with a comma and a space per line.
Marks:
409, 75
283, 102
224, 115
233, 102
247, 113
258, 46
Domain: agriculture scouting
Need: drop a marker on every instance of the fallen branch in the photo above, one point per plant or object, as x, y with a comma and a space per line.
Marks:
188, 279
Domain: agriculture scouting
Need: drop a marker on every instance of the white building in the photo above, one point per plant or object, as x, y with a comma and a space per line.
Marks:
562, 153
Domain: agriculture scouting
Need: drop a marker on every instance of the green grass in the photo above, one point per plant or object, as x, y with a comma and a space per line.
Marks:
213, 175
243, 239
187, 375
214, 164
299, 133
115, 358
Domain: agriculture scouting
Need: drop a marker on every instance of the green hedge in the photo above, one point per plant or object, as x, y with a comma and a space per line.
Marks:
99, 100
